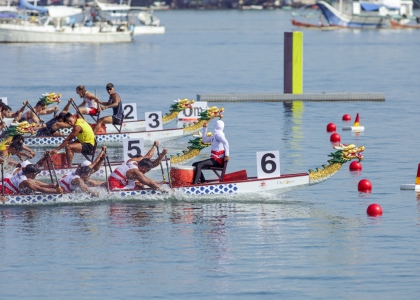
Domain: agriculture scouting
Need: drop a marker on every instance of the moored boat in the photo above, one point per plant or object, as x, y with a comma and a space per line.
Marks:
236, 183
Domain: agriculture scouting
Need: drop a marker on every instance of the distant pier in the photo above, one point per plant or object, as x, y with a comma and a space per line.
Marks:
279, 97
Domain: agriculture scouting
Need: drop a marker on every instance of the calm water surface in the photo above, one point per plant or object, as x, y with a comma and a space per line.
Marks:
313, 243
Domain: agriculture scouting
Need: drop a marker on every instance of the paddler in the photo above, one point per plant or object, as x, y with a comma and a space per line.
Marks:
40, 109
130, 174
115, 103
219, 151
89, 100
74, 181
51, 127
85, 138
18, 148
24, 182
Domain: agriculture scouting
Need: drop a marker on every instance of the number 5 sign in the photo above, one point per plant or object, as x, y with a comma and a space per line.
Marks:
133, 147
268, 164
153, 120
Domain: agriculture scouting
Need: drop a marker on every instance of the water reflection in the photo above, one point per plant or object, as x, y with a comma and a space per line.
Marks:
292, 133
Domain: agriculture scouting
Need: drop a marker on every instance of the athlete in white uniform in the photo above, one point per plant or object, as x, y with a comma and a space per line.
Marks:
75, 180
219, 151
89, 100
24, 182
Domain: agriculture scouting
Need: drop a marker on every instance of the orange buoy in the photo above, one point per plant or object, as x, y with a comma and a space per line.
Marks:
335, 138
331, 127
365, 186
355, 166
346, 117
374, 210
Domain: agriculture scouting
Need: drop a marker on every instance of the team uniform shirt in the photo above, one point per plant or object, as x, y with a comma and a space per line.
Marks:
92, 106
65, 182
118, 178
11, 184
219, 143
86, 136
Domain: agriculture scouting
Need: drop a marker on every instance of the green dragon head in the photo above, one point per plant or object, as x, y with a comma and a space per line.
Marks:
181, 104
346, 153
211, 113
50, 98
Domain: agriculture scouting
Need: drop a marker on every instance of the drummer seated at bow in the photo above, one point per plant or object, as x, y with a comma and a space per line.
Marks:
85, 138
24, 182
75, 181
130, 174
115, 103
39, 109
219, 151
51, 127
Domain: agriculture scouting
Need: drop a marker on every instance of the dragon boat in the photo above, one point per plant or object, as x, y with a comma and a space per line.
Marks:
231, 184
128, 126
61, 168
115, 139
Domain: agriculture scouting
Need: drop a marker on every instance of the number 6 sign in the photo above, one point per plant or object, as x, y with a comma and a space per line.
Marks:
268, 164
133, 147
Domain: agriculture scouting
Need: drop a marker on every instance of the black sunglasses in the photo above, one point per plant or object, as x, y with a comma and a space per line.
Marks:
108, 88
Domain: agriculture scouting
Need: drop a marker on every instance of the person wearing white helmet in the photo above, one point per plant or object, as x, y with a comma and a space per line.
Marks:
219, 151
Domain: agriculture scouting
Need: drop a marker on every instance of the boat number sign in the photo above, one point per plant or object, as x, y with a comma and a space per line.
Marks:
130, 111
153, 120
268, 164
133, 147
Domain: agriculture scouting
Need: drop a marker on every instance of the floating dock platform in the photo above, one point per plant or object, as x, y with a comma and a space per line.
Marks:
279, 97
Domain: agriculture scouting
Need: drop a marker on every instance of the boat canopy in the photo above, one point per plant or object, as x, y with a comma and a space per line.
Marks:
63, 11
376, 5
23, 4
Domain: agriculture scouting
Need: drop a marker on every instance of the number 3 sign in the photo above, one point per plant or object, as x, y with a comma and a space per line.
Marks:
153, 120
133, 147
268, 164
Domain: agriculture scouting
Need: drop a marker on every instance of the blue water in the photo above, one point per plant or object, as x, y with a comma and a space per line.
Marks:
313, 243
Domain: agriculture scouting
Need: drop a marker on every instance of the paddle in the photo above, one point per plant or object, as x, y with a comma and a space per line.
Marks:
167, 170
106, 173
53, 167
3, 199
77, 110
49, 169
36, 114
161, 167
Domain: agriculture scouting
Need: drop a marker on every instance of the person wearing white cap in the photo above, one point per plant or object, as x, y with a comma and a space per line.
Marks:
24, 182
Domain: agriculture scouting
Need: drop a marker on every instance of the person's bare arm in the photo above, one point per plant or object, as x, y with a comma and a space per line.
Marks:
135, 174
96, 165
48, 111
158, 160
79, 182
92, 97
27, 149
67, 107
33, 116
35, 186
72, 135
117, 101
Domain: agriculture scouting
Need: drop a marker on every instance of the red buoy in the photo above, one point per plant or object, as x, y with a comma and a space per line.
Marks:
355, 166
374, 210
331, 127
346, 117
365, 186
335, 138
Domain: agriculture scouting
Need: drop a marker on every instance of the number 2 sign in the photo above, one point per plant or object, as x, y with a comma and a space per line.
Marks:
130, 111
268, 164
133, 147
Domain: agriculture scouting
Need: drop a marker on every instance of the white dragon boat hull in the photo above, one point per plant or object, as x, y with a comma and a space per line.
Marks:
251, 185
100, 174
129, 126
115, 139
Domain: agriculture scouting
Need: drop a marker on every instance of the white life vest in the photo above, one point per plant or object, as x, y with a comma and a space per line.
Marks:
120, 173
13, 182
65, 182
90, 103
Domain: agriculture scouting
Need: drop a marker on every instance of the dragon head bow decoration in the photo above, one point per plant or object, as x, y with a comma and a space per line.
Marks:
344, 153
49, 98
